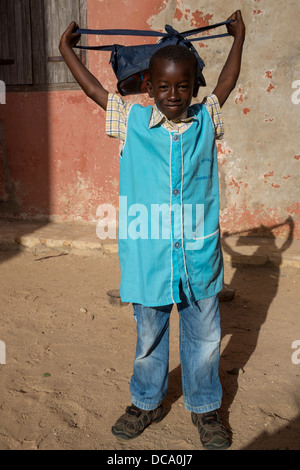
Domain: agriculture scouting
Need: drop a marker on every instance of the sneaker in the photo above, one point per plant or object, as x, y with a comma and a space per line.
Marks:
213, 435
134, 421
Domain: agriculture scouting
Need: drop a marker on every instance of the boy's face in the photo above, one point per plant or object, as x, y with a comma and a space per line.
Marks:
172, 86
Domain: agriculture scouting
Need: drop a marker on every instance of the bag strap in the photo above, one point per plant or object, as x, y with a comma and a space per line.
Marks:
134, 32
206, 28
120, 32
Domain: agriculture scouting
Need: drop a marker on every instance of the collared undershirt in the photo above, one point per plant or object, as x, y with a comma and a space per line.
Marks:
118, 110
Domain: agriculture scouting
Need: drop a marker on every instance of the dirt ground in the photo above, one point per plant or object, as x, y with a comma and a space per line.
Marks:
69, 355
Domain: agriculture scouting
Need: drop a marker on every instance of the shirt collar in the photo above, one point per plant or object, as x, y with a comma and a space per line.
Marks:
157, 117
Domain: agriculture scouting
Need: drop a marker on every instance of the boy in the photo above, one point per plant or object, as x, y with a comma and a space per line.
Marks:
169, 160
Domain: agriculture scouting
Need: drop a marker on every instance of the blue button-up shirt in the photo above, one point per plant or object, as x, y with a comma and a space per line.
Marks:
169, 209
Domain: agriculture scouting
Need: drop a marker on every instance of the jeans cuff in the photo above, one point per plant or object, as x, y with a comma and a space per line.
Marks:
203, 408
144, 406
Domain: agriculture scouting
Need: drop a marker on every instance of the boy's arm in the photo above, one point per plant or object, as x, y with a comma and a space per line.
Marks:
90, 85
231, 70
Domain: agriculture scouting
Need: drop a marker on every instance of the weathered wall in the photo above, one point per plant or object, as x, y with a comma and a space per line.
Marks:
57, 163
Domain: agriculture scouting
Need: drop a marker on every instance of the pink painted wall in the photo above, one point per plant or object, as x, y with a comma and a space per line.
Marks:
62, 166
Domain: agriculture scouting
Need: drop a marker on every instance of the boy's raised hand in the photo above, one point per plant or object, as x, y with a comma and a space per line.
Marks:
88, 82
237, 28
70, 38
231, 70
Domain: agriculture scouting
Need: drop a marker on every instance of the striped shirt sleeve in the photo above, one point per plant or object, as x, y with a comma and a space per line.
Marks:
213, 106
116, 117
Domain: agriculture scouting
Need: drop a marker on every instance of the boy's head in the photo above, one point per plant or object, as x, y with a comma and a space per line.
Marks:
173, 79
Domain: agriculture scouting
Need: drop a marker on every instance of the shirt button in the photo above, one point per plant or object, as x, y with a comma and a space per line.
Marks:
175, 137
177, 245
175, 192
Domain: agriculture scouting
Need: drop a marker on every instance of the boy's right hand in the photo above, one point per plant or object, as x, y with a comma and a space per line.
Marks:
88, 82
70, 38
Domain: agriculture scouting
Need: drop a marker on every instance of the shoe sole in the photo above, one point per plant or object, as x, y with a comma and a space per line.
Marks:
224, 446
127, 437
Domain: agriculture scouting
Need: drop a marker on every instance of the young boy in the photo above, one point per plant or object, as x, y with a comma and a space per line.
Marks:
169, 160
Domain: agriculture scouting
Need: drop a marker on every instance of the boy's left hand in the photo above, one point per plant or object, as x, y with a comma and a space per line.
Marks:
231, 70
237, 27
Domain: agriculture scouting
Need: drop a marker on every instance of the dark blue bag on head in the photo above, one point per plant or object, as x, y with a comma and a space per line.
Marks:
131, 63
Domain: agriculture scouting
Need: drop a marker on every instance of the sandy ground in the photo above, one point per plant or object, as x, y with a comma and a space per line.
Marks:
69, 355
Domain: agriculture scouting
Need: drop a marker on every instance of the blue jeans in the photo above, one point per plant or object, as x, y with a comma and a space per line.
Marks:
199, 341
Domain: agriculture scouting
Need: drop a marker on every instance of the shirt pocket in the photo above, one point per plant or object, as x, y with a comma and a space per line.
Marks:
202, 253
